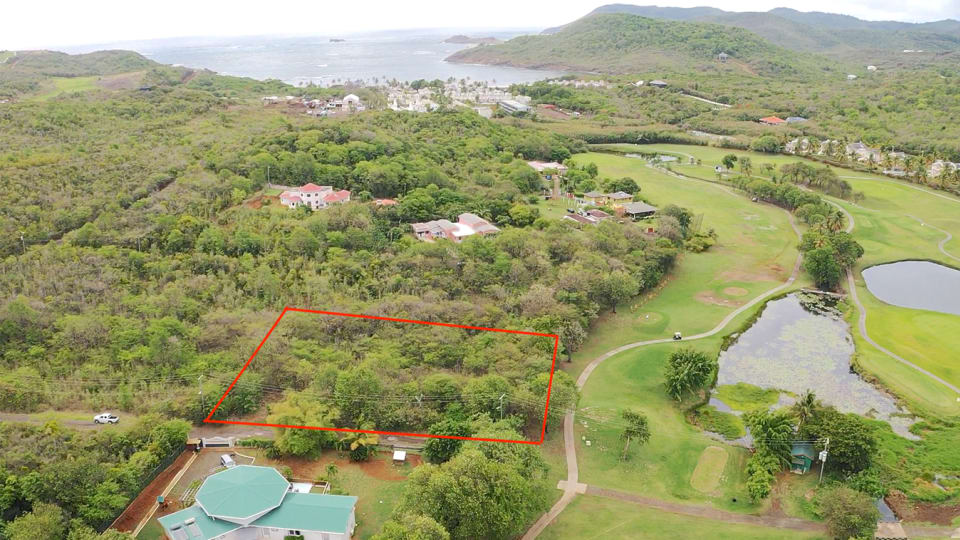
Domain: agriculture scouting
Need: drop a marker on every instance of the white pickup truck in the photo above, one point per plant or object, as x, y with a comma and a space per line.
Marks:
105, 418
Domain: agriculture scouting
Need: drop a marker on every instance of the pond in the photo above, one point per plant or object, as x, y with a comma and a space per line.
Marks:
916, 284
798, 343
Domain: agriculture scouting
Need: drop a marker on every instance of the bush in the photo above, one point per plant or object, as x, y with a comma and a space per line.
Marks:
847, 512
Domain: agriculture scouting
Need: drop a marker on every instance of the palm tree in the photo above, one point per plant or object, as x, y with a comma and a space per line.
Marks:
772, 431
805, 407
332, 471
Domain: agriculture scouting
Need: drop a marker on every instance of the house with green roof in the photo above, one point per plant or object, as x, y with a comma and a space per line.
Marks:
249, 502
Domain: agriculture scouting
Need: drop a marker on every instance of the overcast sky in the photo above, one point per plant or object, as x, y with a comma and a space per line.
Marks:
58, 23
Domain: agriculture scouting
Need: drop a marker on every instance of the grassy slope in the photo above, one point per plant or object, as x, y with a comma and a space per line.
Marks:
598, 517
633, 379
888, 233
755, 252
749, 233
621, 43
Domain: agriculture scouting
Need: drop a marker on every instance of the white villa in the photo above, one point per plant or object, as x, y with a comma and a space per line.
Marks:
314, 196
248, 502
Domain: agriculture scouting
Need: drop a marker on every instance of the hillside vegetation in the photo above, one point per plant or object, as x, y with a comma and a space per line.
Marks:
620, 43
836, 35
23, 71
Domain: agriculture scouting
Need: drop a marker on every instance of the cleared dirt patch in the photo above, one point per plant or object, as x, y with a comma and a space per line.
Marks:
751, 276
138, 509
907, 510
709, 470
257, 202
735, 291
380, 467
121, 81
709, 297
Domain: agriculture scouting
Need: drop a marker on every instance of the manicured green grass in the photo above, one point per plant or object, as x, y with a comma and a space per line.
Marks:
590, 517
755, 252
376, 498
887, 228
709, 471
663, 467
151, 531
747, 397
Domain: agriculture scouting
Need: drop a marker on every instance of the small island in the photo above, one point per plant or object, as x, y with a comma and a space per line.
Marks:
460, 38
337, 40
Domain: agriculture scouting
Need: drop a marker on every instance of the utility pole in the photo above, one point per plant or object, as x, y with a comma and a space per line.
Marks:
200, 393
501, 405
823, 458
420, 400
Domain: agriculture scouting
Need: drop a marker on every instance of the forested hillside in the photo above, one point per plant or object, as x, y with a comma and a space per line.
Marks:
840, 36
154, 256
622, 43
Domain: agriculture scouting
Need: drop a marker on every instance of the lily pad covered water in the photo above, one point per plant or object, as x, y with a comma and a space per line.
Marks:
794, 349
916, 284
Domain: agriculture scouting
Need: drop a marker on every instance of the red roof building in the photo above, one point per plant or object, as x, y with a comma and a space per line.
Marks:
314, 196
772, 120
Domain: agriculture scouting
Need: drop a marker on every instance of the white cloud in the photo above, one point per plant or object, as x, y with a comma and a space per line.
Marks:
70, 22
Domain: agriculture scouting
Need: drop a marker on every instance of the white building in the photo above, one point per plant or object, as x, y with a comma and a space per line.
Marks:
314, 196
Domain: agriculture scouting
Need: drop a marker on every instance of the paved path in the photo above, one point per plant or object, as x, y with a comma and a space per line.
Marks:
862, 326
943, 242
862, 322
705, 100
572, 486
708, 512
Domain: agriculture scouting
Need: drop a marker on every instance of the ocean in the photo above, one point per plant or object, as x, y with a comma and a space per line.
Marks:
401, 55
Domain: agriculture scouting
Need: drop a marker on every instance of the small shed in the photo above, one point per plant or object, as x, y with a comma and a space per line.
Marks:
399, 456
802, 456
658, 83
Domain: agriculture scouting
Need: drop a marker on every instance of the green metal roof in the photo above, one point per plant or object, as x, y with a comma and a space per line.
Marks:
203, 527
311, 512
804, 449
242, 491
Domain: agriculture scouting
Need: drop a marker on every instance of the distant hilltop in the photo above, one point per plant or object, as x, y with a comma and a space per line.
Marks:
460, 38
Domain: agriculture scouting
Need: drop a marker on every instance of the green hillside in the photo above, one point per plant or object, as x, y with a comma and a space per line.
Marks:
23, 72
839, 36
621, 43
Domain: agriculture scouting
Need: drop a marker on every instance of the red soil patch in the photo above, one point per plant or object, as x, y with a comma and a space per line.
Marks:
939, 514
378, 467
140, 506
257, 202
735, 291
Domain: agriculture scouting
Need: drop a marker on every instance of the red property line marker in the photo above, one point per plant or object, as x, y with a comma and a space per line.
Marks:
543, 429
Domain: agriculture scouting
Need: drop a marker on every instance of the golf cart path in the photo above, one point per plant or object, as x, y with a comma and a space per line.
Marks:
943, 242
572, 486
862, 322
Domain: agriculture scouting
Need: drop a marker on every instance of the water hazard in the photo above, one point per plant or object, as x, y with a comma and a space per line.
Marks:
916, 284
795, 346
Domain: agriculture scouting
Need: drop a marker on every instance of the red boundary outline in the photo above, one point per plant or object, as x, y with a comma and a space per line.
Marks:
543, 430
